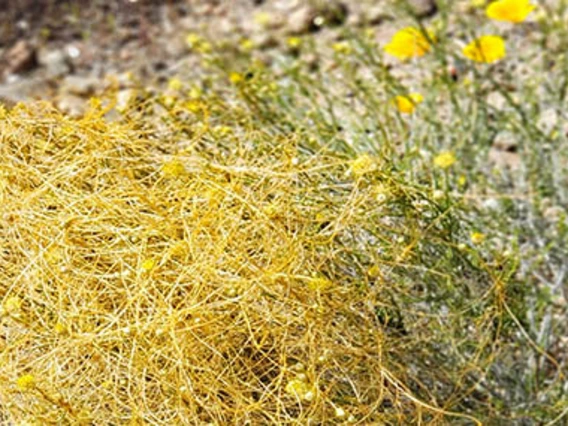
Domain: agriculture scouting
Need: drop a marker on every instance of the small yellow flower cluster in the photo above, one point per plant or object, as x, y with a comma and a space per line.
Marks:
477, 238
198, 44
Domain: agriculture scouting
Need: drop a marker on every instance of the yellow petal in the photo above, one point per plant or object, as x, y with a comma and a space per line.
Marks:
25, 382
486, 49
444, 160
408, 43
514, 11
407, 104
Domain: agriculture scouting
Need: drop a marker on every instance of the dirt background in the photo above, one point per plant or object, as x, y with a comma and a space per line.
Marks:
67, 50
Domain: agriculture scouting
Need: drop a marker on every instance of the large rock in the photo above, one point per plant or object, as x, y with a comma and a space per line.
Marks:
310, 18
73, 105
21, 57
55, 62
23, 89
423, 8
80, 85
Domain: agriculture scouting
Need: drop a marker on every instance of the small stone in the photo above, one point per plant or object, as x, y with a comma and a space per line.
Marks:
548, 120
376, 15
505, 141
423, 8
123, 98
554, 213
264, 40
308, 18
503, 159
71, 104
80, 85
301, 21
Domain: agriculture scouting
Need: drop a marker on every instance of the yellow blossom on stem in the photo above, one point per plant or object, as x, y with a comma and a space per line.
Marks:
444, 160
486, 49
514, 11
409, 43
407, 104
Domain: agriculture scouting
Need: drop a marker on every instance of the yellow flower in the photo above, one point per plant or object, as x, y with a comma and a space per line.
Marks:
319, 284
235, 78
477, 237
407, 104
193, 39
173, 169
298, 388
25, 382
374, 271
514, 11
197, 43
175, 84
195, 93
363, 165
60, 328
148, 264
247, 45
263, 18
444, 160
486, 49
409, 43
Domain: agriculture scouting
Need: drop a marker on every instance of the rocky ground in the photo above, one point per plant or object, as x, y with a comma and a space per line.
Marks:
67, 51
